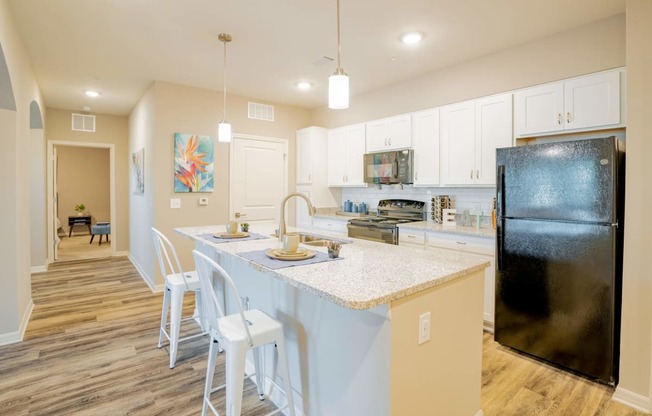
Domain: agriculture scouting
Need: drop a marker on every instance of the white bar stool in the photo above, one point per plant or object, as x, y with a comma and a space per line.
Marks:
177, 283
238, 333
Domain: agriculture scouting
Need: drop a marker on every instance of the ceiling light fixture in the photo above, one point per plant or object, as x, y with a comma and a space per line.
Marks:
304, 85
411, 38
92, 94
338, 83
224, 131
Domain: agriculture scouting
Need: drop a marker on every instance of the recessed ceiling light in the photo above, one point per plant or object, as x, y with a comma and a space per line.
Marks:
92, 94
411, 38
304, 85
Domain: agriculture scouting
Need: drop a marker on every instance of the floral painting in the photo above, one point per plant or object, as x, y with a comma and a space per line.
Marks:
193, 163
138, 171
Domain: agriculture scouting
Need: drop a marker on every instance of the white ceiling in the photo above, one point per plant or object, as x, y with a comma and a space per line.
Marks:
119, 47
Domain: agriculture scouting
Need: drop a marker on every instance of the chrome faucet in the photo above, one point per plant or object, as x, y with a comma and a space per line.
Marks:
281, 225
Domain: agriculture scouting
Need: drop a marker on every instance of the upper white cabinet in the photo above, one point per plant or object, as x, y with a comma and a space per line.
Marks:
581, 103
311, 167
346, 148
389, 133
425, 141
471, 132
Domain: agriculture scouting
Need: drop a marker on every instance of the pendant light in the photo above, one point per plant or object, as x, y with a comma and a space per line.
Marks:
338, 82
224, 131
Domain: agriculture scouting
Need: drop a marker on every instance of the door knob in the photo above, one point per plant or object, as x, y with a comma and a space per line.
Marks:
238, 215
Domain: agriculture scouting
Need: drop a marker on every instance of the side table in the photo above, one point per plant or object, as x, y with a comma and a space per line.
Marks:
82, 220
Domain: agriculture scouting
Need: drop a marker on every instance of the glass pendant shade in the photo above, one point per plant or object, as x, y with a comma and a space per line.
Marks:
224, 132
338, 91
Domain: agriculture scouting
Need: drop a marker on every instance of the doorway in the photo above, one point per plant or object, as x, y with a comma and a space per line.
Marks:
81, 195
259, 178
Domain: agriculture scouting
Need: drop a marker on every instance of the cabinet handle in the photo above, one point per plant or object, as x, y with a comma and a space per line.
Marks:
471, 173
309, 177
411, 236
390, 141
416, 176
347, 178
461, 243
568, 118
385, 142
559, 118
343, 178
477, 174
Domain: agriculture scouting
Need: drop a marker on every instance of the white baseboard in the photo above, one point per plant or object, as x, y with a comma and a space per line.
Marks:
39, 269
17, 336
479, 413
123, 253
488, 326
152, 286
274, 394
633, 400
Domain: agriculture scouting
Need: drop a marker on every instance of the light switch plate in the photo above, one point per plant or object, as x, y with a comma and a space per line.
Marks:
175, 202
203, 201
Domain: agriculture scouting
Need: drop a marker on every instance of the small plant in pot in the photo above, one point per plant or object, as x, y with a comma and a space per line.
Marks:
244, 227
80, 208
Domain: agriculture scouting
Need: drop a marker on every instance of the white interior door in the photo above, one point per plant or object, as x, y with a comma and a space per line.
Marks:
259, 176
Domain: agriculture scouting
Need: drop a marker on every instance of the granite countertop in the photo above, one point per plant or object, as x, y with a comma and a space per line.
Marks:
370, 274
458, 229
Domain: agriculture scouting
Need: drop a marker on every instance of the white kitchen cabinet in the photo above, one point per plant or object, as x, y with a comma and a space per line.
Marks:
346, 148
389, 133
425, 142
331, 225
471, 131
581, 103
411, 238
311, 168
478, 247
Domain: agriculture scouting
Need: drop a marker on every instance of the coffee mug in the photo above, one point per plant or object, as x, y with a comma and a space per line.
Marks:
232, 227
290, 242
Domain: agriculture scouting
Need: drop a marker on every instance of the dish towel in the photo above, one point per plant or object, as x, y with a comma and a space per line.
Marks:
261, 258
217, 240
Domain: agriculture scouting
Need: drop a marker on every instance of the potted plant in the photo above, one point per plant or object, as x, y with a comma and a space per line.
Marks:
245, 227
80, 208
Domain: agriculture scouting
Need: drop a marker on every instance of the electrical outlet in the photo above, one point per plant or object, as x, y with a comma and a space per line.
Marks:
424, 328
203, 201
175, 202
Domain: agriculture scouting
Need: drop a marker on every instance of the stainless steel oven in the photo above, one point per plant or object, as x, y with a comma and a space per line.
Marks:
383, 228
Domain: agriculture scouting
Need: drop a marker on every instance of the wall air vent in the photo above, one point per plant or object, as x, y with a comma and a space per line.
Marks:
83, 122
261, 111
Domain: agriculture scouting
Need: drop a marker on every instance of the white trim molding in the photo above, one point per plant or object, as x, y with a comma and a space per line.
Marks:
152, 286
38, 269
633, 400
17, 336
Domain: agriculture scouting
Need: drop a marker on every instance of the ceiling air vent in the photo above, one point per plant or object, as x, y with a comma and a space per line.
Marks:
83, 122
261, 112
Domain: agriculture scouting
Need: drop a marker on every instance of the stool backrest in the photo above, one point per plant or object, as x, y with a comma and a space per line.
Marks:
163, 249
207, 270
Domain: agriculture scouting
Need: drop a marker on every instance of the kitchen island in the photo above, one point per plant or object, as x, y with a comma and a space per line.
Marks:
352, 325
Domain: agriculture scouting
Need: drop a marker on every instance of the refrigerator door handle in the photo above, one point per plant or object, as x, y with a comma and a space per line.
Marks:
499, 245
500, 191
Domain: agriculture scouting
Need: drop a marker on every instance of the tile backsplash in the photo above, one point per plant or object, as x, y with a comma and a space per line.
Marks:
473, 199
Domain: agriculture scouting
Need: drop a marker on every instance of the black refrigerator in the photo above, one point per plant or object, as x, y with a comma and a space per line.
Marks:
559, 233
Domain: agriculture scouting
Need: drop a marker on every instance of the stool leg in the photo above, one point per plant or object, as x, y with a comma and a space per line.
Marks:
175, 321
100, 239
260, 374
285, 373
92, 237
164, 315
210, 373
236, 355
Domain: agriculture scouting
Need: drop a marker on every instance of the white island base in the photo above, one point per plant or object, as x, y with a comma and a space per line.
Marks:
350, 362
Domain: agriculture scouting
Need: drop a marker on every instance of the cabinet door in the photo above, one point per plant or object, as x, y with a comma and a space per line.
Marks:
304, 157
493, 129
304, 220
355, 148
400, 132
336, 161
539, 109
425, 140
592, 101
458, 143
377, 135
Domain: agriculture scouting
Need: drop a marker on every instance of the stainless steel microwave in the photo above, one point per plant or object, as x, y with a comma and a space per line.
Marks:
388, 167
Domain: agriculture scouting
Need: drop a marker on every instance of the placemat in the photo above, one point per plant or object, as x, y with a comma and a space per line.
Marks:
261, 258
217, 240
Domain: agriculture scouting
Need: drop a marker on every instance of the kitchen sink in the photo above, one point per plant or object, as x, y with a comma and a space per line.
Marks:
315, 240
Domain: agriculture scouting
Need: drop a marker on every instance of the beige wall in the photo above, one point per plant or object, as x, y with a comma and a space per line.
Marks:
109, 129
15, 279
169, 108
636, 340
83, 178
583, 50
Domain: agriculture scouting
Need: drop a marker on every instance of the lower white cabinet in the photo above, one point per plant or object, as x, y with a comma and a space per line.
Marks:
415, 238
480, 247
331, 225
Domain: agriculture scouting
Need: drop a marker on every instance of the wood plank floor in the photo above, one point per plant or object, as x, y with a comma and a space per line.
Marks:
90, 349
